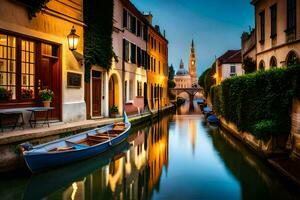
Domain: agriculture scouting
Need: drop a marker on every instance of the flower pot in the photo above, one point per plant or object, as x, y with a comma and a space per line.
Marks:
47, 104
113, 115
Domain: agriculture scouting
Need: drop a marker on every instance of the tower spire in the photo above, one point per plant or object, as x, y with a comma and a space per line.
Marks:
181, 64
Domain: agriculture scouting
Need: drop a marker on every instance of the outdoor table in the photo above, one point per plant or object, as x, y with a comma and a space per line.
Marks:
16, 113
32, 120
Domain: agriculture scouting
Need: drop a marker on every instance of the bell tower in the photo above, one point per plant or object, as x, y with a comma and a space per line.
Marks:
192, 64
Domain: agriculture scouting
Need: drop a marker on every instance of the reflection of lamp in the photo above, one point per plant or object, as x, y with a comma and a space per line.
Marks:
73, 39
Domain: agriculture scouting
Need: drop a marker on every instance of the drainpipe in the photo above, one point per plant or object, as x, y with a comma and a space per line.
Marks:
123, 76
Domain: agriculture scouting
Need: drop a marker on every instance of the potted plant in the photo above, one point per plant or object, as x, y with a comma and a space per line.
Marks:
47, 96
113, 111
5, 95
26, 93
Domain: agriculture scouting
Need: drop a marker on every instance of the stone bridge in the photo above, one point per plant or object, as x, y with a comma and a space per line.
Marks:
190, 91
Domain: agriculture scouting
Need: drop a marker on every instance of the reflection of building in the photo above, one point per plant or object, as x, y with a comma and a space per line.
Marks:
229, 64
128, 70
132, 175
158, 69
34, 55
187, 78
277, 33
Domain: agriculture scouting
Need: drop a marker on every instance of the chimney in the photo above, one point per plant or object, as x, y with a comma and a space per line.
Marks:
157, 28
149, 17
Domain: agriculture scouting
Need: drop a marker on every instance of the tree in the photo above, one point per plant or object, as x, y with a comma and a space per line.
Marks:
202, 77
171, 72
171, 83
208, 79
249, 65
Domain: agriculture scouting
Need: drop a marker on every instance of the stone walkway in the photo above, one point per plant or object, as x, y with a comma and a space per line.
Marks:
17, 136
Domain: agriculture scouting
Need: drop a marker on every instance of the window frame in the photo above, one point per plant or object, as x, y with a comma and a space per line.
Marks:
262, 18
274, 16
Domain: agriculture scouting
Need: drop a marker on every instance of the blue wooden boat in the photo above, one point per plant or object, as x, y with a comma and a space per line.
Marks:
213, 119
200, 101
77, 147
207, 110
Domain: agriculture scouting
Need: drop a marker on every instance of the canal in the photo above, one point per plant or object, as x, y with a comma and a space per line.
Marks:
177, 157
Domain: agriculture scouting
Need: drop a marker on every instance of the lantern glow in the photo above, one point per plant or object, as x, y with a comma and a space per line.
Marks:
73, 39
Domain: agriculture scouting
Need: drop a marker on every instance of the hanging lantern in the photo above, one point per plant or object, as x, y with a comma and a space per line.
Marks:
73, 39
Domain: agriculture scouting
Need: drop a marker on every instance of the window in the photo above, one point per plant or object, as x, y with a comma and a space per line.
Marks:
145, 31
292, 59
126, 50
133, 53
154, 64
125, 18
8, 64
262, 65
27, 69
130, 90
273, 62
139, 56
291, 15
159, 67
273, 21
125, 90
139, 89
132, 24
138, 32
232, 69
262, 27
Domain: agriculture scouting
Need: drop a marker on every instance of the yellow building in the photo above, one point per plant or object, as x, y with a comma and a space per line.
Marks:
157, 74
35, 55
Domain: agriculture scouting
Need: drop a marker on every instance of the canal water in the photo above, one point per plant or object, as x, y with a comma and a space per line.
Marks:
177, 157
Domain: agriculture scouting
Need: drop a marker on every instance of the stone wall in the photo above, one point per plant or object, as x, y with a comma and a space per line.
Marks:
295, 130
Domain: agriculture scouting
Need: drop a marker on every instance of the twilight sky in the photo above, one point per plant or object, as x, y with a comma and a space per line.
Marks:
215, 25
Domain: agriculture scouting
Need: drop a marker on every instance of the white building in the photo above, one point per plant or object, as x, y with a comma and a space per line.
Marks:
182, 78
228, 65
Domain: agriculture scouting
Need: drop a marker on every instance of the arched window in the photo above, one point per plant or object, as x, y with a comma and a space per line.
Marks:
273, 62
292, 59
262, 65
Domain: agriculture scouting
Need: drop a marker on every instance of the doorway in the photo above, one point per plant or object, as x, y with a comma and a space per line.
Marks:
96, 93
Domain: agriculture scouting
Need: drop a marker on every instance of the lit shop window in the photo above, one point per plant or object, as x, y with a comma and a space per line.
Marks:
28, 69
7, 67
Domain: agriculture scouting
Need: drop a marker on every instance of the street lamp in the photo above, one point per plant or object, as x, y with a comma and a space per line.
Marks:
73, 39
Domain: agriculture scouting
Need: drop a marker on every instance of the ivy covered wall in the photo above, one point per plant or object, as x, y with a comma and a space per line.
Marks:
98, 17
33, 6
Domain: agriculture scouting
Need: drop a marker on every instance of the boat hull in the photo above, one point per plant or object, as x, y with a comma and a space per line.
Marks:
37, 162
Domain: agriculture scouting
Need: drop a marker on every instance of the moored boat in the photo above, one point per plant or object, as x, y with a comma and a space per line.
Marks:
77, 147
213, 120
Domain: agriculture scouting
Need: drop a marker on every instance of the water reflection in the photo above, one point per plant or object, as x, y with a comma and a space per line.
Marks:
132, 175
178, 157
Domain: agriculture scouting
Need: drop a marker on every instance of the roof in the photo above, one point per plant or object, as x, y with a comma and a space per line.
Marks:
231, 56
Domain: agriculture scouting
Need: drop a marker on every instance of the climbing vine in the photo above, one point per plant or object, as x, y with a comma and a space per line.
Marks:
34, 6
98, 17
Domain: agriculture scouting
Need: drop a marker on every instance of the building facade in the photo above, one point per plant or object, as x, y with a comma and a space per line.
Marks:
228, 65
187, 78
277, 33
157, 74
248, 50
182, 78
35, 55
127, 83
192, 65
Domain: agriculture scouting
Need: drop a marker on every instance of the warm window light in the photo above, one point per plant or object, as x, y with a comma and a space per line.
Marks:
73, 39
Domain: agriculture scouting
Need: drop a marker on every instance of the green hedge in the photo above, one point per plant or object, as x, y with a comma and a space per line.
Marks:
259, 103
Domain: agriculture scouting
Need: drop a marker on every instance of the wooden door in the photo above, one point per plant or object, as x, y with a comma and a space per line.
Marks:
111, 89
96, 96
49, 78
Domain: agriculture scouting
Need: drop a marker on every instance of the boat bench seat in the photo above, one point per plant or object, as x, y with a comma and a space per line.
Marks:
77, 146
